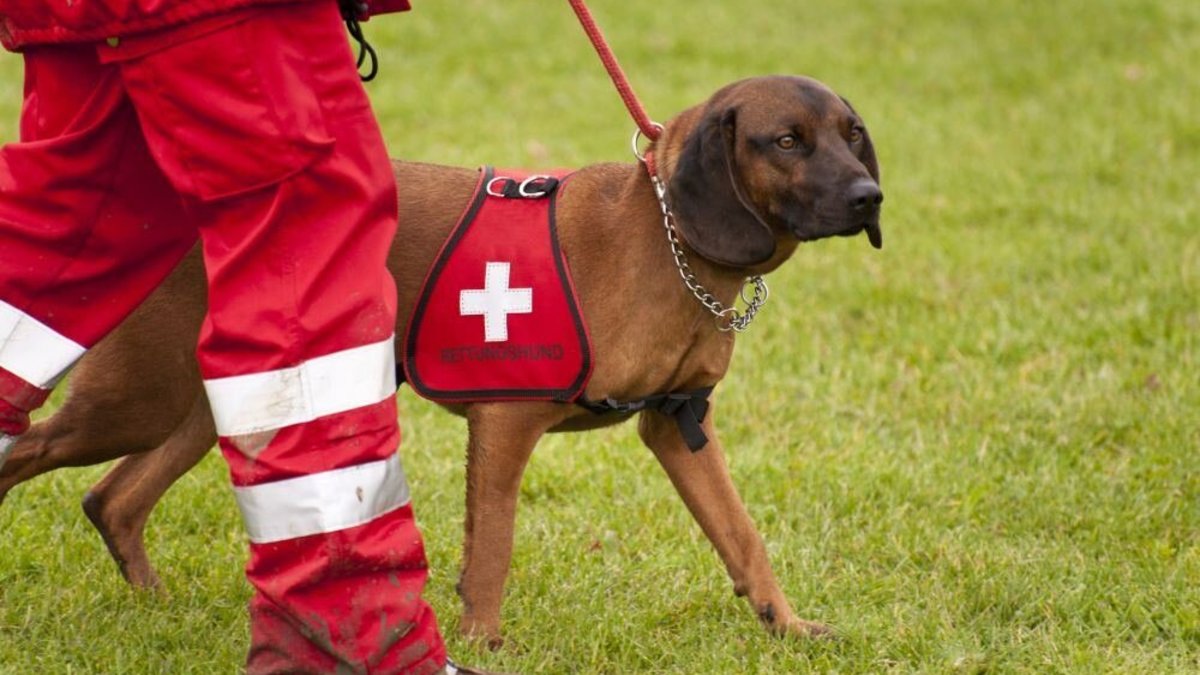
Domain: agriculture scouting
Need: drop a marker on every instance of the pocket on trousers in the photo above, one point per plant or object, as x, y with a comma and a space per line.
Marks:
230, 111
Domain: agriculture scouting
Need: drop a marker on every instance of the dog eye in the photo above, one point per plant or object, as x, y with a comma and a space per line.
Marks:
788, 142
856, 134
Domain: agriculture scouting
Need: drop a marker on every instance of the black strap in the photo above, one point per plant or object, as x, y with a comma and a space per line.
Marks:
687, 407
352, 10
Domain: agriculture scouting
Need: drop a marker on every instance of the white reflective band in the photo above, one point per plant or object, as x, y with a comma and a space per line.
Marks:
354, 378
33, 351
323, 502
6, 443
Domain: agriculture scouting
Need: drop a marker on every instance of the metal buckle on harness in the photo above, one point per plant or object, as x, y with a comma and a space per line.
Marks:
533, 187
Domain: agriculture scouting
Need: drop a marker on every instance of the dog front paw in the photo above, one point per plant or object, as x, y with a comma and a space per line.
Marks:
792, 625
484, 631
810, 630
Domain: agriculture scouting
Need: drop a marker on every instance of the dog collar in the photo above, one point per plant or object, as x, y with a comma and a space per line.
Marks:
727, 318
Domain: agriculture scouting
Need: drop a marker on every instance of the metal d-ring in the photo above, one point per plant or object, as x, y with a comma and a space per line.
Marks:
529, 194
637, 136
526, 189
489, 189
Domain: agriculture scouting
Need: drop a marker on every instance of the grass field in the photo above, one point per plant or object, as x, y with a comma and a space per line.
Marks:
977, 450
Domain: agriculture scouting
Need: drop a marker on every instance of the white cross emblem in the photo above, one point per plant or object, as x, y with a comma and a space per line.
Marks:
495, 301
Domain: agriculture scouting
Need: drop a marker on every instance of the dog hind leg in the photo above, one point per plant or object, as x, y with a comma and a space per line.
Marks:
120, 504
70, 437
31, 455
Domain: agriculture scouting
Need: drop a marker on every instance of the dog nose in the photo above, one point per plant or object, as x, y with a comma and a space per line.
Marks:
864, 195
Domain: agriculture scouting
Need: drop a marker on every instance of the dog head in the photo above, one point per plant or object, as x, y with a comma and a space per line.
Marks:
767, 163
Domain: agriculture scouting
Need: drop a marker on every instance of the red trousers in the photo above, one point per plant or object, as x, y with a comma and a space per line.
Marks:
257, 138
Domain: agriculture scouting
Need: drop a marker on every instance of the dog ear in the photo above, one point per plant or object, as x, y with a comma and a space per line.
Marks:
711, 209
868, 148
874, 234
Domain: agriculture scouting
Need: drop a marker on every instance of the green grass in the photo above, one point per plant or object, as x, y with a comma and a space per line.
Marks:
975, 451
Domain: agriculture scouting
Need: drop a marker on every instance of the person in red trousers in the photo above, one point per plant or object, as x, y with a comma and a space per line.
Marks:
147, 125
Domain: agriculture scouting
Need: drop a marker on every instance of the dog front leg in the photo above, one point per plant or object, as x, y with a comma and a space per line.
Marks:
702, 479
501, 439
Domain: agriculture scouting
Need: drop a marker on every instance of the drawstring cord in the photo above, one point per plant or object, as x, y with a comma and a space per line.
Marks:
351, 11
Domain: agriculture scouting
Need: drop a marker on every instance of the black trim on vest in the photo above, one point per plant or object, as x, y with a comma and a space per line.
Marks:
410, 346
585, 372
687, 407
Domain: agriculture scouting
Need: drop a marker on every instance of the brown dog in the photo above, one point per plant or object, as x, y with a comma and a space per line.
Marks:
764, 164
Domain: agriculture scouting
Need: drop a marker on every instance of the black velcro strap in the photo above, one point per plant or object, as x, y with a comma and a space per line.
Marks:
689, 410
687, 407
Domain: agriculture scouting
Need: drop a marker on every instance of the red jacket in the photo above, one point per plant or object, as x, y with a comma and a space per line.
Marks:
32, 22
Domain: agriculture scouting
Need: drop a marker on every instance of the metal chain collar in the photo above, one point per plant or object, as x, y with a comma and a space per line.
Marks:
728, 318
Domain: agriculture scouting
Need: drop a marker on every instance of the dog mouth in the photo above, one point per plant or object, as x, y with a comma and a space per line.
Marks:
871, 227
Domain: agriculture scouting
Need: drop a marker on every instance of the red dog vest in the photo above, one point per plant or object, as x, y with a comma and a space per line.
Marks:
497, 318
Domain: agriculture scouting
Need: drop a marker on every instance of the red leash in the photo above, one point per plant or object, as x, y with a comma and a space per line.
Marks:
650, 129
